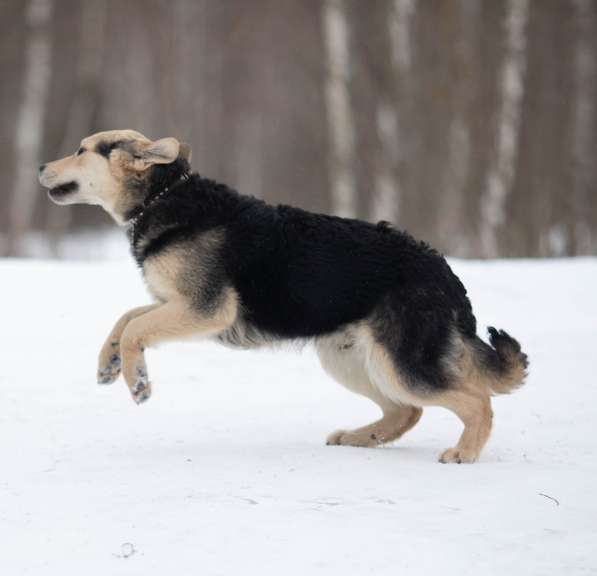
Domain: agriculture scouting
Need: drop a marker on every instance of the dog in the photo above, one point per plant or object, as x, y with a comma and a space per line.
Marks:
388, 317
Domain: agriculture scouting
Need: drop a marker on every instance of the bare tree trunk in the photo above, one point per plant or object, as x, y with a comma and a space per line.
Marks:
451, 224
340, 120
584, 142
188, 101
79, 121
392, 116
487, 54
431, 89
386, 197
29, 135
400, 26
539, 205
371, 92
12, 65
211, 106
500, 178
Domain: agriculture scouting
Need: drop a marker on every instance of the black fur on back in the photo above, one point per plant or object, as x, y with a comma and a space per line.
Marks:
302, 275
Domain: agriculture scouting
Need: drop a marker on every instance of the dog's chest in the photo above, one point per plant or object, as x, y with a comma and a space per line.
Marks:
162, 276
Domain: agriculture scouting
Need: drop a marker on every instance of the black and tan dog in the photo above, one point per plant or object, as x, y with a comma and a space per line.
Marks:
387, 316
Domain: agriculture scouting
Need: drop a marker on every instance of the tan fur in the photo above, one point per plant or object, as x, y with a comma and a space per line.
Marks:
178, 271
162, 274
110, 357
344, 357
165, 275
467, 369
173, 320
474, 410
355, 359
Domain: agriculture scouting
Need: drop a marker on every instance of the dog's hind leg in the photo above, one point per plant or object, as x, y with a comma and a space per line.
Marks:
174, 320
474, 410
343, 360
110, 361
468, 397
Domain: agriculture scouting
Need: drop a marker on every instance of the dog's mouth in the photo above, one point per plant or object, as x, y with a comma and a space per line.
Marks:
59, 192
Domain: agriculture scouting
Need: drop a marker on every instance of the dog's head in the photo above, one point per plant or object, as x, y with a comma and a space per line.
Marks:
111, 169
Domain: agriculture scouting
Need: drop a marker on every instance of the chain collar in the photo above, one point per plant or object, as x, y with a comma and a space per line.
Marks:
151, 200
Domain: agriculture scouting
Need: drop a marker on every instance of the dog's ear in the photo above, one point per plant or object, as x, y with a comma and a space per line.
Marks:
163, 151
185, 151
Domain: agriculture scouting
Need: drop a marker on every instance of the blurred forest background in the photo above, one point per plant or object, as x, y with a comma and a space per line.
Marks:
471, 123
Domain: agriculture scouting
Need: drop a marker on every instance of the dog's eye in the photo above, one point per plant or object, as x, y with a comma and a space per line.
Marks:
80, 151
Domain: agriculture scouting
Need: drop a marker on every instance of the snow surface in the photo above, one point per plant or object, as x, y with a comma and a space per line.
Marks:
225, 470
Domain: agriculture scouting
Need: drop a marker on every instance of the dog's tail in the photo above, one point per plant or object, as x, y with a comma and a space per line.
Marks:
503, 364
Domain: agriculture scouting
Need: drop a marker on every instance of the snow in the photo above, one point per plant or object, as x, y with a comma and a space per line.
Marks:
225, 470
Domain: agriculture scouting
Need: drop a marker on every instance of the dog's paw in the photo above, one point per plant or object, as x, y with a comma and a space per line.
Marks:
109, 370
349, 438
141, 389
458, 456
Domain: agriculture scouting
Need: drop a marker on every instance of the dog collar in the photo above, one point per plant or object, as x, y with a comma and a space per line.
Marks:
151, 200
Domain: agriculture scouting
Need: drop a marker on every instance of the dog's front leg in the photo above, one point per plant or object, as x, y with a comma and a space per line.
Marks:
110, 359
173, 320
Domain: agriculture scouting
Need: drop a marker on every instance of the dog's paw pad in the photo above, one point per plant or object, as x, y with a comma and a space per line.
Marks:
140, 386
457, 456
141, 390
111, 372
142, 396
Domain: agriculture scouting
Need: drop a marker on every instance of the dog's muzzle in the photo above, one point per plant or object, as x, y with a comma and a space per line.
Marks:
56, 192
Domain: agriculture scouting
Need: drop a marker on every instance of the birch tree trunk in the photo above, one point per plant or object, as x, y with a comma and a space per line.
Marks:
400, 29
393, 116
501, 174
340, 120
30, 123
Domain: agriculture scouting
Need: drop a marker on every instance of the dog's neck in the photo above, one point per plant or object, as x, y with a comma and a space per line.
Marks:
151, 199
162, 181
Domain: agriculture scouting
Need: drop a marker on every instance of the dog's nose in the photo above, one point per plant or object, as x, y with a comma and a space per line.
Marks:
42, 168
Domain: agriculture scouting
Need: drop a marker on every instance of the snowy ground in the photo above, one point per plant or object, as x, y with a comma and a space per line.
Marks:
225, 471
